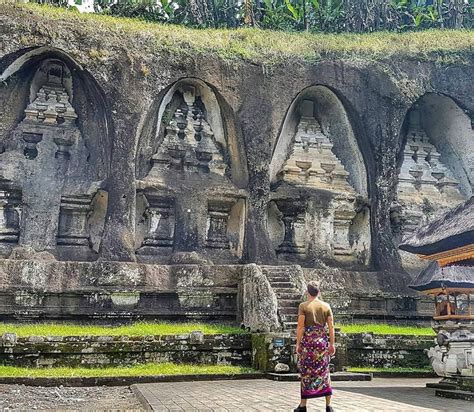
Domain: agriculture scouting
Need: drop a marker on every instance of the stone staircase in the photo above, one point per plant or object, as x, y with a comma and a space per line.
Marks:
288, 295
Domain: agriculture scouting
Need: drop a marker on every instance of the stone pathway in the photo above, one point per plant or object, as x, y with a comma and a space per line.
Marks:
265, 395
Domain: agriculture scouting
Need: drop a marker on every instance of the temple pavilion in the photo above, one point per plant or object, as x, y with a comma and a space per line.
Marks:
448, 242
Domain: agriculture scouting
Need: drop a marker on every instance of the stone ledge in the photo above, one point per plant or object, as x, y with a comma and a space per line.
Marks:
455, 394
123, 380
336, 377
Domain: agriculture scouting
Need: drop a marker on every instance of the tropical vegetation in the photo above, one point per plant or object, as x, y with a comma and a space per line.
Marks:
290, 15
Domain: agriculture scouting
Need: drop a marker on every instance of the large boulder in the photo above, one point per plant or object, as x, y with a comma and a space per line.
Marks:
259, 301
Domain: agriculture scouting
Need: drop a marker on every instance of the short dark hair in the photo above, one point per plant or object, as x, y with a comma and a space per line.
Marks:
313, 288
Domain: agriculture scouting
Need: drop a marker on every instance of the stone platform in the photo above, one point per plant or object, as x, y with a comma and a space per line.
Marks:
401, 395
121, 291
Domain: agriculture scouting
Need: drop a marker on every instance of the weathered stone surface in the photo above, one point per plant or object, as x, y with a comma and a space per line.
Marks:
272, 349
387, 351
114, 290
281, 368
259, 301
125, 350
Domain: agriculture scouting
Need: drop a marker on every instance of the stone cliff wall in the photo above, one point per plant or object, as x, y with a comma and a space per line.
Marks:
115, 148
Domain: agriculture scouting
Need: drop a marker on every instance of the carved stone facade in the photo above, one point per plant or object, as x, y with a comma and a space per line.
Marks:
101, 161
315, 202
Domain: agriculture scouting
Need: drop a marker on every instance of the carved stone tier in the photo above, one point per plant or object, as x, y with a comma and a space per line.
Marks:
189, 142
312, 162
160, 224
50, 108
218, 212
73, 227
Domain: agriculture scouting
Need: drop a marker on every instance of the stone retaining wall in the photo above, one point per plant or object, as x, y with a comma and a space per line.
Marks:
387, 351
97, 351
272, 352
264, 351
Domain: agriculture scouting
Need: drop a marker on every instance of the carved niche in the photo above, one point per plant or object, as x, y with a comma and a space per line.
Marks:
190, 197
316, 202
189, 140
426, 186
45, 160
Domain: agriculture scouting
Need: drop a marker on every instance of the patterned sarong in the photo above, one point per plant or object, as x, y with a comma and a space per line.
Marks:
313, 363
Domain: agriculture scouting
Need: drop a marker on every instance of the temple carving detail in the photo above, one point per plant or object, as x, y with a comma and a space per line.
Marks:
316, 202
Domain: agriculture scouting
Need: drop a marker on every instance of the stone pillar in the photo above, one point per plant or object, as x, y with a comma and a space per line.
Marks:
160, 225
342, 222
293, 220
218, 216
73, 226
10, 215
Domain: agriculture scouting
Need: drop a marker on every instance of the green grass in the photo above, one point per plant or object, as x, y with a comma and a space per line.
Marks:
165, 328
385, 329
136, 329
150, 369
389, 370
258, 45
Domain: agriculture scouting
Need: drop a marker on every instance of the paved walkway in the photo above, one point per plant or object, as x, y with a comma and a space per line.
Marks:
265, 395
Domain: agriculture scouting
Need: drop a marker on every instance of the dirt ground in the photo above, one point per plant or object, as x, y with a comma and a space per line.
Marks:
110, 398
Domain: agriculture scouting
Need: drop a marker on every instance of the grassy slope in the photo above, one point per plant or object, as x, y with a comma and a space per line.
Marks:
150, 369
136, 329
261, 46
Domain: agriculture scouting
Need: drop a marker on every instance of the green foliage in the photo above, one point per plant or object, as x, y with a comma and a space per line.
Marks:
136, 329
314, 15
386, 329
149, 369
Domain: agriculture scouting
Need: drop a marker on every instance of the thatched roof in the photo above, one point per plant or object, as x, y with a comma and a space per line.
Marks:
452, 230
454, 276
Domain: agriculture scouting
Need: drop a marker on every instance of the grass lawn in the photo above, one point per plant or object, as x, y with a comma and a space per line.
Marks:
263, 46
149, 369
385, 329
136, 329
389, 370
166, 328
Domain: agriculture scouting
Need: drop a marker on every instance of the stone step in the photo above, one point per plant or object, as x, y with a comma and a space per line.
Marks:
286, 290
285, 294
442, 385
288, 318
288, 303
288, 310
281, 268
336, 376
289, 325
278, 278
284, 284
455, 394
